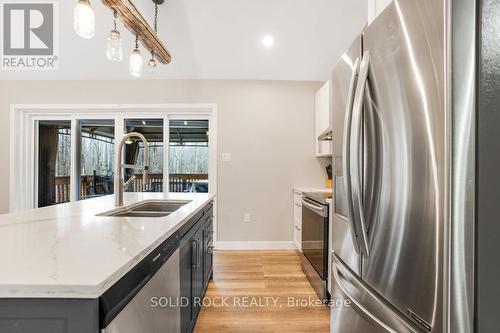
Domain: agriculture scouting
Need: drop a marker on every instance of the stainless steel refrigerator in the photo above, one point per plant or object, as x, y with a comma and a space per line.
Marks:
403, 135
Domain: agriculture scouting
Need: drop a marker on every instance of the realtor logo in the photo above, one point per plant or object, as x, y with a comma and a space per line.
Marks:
30, 36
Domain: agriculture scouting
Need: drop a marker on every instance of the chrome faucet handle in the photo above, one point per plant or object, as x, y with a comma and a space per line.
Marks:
119, 181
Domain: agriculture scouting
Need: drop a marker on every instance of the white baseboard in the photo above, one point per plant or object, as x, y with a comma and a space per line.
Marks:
248, 246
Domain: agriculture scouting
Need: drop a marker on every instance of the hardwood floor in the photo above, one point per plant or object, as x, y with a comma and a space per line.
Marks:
261, 292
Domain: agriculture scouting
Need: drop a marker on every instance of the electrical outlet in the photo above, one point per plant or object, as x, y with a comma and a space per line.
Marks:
247, 218
226, 157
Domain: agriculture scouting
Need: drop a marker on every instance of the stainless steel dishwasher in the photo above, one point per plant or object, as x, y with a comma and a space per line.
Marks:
145, 299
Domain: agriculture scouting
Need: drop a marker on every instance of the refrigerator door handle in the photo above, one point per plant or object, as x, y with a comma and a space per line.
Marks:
346, 150
357, 122
367, 303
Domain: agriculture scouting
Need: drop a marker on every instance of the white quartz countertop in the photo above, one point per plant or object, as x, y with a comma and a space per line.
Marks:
312, 189
66, 251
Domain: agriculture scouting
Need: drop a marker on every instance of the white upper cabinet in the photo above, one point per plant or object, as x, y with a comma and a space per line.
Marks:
375, 7
323, 119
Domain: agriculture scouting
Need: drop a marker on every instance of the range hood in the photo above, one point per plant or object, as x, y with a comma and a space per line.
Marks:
327, 135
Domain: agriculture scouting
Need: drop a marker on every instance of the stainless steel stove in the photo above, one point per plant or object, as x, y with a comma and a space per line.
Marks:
315, 240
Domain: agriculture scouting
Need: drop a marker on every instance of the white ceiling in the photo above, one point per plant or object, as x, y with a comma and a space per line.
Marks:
219, 39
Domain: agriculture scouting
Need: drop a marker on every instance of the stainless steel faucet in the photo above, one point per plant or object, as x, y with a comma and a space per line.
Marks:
120, 184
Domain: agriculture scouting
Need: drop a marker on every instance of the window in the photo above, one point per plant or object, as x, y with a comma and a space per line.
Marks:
152, 129
188, 155
97, 152
54, 162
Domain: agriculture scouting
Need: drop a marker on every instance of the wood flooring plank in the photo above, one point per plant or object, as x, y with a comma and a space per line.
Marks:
278, 296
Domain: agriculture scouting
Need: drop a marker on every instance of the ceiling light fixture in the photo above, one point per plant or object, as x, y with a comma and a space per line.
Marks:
127, 13
114, 48
135, 22
135, 65
84, 19
268, 41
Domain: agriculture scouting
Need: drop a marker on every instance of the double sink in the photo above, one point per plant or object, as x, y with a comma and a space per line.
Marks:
147, 208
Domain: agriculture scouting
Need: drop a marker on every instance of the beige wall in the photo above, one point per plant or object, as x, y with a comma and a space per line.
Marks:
267, 126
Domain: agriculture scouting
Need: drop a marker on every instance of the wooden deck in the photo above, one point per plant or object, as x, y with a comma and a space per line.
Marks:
270, 280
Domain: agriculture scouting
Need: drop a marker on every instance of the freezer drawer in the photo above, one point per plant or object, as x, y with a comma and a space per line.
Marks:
344, 318
363, 310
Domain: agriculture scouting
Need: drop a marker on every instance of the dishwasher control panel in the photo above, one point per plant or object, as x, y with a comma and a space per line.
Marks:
159, 256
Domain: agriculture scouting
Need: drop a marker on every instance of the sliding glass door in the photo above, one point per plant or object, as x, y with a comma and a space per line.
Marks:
96, 157
188, 155
75, 156
152, 129
54, 162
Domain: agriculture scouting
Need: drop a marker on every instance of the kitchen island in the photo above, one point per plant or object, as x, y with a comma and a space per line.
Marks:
67, 256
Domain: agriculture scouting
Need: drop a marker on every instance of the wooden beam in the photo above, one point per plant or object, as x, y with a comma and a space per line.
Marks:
133, 20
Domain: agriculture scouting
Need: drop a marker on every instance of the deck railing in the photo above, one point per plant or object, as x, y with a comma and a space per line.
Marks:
62, 189
182, 182
177, 183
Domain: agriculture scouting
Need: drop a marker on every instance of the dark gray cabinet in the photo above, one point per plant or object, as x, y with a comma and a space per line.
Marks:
198, 263
187, 314
208, 248
47, 315
196, 251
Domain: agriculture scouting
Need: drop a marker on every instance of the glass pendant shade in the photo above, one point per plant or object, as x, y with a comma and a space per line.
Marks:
135, 66
114, 49
151, 65
84, 19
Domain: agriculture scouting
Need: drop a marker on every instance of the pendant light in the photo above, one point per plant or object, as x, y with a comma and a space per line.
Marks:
135, 66
114, 49
84, 19
152, 61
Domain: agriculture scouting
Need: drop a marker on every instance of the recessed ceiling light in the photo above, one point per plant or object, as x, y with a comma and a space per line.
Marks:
268, 41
